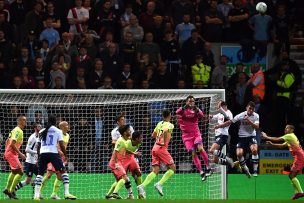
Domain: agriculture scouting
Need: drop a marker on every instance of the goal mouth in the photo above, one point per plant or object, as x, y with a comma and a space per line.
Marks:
91, 116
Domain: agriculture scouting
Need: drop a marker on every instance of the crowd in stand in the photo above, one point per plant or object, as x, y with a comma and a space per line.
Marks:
105, 44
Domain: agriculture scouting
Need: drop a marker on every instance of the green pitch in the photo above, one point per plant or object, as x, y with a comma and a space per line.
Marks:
181, 186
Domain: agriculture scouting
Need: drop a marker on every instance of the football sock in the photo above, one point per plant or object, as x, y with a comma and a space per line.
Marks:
120, 183
112, 188
166, 176
15, 182
297, 185
10, 181
197, 163
148, 179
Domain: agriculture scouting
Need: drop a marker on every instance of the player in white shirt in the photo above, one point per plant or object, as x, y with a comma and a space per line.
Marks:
221, 135
48, 153
31, 157
249, 122
120, 121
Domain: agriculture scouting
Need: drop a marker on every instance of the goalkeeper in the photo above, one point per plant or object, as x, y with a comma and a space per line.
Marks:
188, 117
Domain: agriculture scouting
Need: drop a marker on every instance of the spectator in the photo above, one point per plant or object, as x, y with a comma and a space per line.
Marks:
28, 80
285, 85
106, 83
44, 50
4, 74
170, 52
219, 75
39, 72
178, 8
225, 7
125, 17
104, 46
6, 27
129, 84
158, 28
81, 84
163, 78
83, 59
87, 4
104, 19
145, 84
282, 28
74, 79
23, 60
34, 19
238, 18
214, 20
239, 92
181, 84
95, 77
76, 17
150, 48
234, 78
183, 30
201, 72
18, 10
112, 62
32, 43
135, 29
146, 18
261, 24
50, 13
192, 47
40, 84
56, 72
69, 47
49, 33
124, 76
128, 49
58, 83
17, 83
208, 55
256, 83
149, 75
90, 45
6, 48
5, 11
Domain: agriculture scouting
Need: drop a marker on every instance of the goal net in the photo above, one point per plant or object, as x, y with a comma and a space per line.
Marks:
91, 115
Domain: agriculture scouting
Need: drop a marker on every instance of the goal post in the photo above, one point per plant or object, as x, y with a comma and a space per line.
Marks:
91, 115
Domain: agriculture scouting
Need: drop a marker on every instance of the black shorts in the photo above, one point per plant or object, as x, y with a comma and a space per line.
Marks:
245, 142
53, 158
30, 169
221, 140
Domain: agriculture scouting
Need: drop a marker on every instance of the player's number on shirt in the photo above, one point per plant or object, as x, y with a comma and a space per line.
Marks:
159, 134
48, 142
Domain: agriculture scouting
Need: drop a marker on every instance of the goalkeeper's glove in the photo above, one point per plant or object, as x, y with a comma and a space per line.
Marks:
196, 109
185, 107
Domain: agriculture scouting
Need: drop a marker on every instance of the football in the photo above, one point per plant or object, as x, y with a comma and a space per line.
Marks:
261, 7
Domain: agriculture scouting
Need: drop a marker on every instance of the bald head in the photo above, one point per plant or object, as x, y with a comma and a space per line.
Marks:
21, 121
64, 126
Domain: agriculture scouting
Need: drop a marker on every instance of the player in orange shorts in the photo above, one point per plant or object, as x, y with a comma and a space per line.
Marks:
162, 134
291, 141
117, 163
130, 164
12, 152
